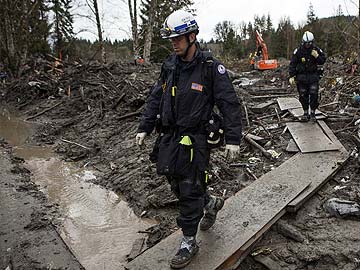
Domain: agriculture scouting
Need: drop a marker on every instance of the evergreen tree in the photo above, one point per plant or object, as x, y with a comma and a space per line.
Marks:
311, 17
62, 25
159, 48
314, 25
283, 42
24, 30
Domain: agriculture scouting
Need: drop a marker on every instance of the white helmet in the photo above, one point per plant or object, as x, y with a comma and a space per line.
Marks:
179, 23
308, 37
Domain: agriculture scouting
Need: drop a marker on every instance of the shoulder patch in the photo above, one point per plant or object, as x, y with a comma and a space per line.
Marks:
221, 69
295, 51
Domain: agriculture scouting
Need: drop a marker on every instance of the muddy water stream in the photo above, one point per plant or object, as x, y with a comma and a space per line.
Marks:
98, 225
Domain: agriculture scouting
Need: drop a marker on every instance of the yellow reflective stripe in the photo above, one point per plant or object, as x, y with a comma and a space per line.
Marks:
173, 91
206, 176
185, 140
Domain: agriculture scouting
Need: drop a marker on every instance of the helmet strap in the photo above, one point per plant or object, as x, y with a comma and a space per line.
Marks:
189, 44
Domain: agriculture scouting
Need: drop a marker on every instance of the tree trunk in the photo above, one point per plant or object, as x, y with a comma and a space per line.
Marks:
98, 24
149, 31
134, 30
9, 37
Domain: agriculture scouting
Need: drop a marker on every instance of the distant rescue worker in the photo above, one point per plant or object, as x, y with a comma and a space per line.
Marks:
304, 71
180, 107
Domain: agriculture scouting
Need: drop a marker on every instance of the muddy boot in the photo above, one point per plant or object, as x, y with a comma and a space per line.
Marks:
211, 210
312, 117
305, 117
188, 249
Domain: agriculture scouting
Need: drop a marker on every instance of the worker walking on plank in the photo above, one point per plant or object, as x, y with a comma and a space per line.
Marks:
180, 106
304, 72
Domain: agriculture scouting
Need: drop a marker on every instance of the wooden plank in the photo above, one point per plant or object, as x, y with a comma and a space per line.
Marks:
332, 162
245, 217
327, 164
297, 112
235, 260
310, 137
330, 134
286, 103
292, 147
136, 248
259, 108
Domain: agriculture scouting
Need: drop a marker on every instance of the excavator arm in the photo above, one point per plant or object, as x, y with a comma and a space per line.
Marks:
261, 46
261, 59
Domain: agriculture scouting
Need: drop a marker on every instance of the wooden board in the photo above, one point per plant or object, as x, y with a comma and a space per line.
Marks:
310, 137
286, 103
297, 112
330, 134
245, 217
292, 147
329, 163
259, 108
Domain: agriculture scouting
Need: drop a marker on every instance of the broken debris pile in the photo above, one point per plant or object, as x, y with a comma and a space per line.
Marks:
91, 114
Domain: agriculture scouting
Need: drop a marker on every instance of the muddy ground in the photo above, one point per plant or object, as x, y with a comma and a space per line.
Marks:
90, 114
28, 236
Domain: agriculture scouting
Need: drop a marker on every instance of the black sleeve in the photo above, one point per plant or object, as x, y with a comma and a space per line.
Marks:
321, 58
293, 63
152, 108
227, 101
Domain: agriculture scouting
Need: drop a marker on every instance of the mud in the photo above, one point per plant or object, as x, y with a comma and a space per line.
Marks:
96, 121
28, 238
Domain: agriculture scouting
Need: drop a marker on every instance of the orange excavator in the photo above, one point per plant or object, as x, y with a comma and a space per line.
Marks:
260, 60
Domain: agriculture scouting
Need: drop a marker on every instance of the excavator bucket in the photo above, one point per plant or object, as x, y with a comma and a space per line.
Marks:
266, 64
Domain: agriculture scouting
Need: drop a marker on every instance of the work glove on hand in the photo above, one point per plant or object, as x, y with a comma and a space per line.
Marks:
315, 53
140, 138
232, 151
292, 81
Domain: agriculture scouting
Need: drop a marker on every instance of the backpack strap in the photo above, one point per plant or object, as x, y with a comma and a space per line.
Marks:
207, 74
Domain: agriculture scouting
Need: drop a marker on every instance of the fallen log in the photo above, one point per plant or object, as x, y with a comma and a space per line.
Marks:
273, 96
258, 146
44, 111
118, 101
138, 112
78, 144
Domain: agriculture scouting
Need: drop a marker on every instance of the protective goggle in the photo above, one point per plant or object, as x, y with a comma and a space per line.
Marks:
165, 32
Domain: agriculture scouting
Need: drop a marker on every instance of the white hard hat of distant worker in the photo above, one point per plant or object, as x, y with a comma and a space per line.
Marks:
179, 23
308, 37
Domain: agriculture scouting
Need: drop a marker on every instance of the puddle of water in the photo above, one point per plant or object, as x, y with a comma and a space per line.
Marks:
98, 226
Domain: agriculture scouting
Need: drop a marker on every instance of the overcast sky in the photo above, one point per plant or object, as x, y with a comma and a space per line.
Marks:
116, 21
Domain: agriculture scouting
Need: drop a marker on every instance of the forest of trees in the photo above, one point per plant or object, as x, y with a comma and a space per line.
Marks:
335, 35
31, 28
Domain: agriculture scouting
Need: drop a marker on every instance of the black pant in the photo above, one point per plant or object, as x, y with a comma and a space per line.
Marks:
308, 95
193, 196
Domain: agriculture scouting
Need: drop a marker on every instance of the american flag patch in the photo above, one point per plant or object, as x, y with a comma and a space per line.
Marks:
197, 87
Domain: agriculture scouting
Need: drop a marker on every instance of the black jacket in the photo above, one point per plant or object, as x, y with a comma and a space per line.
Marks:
305, 66
193, 102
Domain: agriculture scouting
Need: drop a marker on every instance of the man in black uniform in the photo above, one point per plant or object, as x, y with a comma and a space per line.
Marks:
303, 71
190, 84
